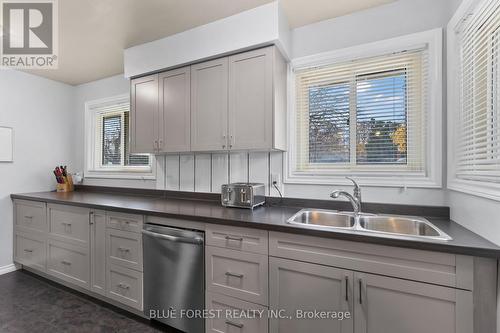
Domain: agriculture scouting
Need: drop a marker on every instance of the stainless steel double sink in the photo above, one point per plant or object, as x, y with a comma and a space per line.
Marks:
392, 226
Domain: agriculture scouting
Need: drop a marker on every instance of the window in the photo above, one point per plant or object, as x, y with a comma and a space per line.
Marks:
364, 117
108, 149
477, 147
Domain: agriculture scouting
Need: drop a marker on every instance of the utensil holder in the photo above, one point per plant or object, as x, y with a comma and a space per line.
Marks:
66, 187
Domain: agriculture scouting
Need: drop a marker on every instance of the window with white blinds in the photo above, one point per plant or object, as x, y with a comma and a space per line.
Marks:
364, 116
110, 139
477, 156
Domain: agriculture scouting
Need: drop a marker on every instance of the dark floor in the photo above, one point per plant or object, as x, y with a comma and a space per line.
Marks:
32, 304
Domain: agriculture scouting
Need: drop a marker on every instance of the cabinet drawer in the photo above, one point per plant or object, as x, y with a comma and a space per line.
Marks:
69, 263
123, 221
124, 248
30, 249
31, 215
125, 286
244, 239
226, 324
237, 274
69, 223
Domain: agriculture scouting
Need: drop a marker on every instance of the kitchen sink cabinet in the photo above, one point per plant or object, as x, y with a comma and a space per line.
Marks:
297, 286
375, 303
389, 305
144, 114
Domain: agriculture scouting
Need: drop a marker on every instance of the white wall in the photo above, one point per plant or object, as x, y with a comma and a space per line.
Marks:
41, 112
397, 18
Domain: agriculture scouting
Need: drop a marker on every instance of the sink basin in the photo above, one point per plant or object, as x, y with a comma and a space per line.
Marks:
393, 226
323, 218
402, 225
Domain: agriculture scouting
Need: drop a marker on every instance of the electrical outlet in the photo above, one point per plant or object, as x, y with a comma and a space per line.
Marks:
276, 179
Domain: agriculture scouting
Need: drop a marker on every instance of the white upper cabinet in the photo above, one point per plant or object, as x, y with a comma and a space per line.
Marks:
175, 110
251, 100
231, 103
209, 105
144, 114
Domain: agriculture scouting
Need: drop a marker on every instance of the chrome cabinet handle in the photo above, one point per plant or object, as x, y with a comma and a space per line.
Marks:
28, 217
224, 141
91, 218
347, 289
232, 323
123, 249
231, 141
238, 239
65, 262
28, 250
123, 286
360, 291
236, 275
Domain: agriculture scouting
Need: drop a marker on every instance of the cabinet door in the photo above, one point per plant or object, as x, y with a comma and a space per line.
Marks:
251, 100
98, 252
144, 116
175, 110
390, 305
297, 286
209, 105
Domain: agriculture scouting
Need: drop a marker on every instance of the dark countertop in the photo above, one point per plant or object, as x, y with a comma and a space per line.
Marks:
269, 217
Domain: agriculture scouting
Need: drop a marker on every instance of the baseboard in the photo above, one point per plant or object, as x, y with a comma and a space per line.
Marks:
8, 268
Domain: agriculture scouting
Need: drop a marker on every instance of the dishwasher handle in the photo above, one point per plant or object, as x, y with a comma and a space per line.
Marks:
191, 240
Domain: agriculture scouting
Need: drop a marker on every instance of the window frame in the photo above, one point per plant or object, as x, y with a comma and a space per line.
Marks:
483, 189
432, 176
92, 169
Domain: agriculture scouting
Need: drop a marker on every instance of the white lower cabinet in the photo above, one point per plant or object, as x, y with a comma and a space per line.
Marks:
30, 249
298, 288
389, 305
125, 286
68, 262
377, 304
234, 315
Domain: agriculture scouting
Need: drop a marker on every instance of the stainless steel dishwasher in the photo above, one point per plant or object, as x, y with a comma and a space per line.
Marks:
174, 281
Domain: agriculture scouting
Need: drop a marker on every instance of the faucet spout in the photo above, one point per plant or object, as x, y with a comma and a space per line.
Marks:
356, 204
354, 198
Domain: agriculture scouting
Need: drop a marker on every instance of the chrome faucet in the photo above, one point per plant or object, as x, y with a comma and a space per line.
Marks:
355, 198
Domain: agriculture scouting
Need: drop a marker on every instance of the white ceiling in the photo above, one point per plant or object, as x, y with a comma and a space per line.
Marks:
93, 33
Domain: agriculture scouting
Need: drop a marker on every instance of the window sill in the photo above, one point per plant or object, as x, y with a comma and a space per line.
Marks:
364, 180
120, 175
480, 189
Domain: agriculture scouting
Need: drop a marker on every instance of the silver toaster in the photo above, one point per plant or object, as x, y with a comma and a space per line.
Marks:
243, 195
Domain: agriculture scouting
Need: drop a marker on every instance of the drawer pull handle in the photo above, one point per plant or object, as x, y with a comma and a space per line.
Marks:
123, 249
360, 291
65, 223
232, 323
347, 289
123, 286
236, 275
238, 239
28, 250
28, 217
65, 262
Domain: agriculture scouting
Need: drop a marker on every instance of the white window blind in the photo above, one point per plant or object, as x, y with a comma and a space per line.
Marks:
478, 139
363, 116
111, 133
